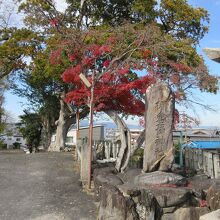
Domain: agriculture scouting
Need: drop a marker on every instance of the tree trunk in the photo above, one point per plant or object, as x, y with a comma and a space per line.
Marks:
63, 124
138, 142
125, 136
60, 134
60, 143
46, 132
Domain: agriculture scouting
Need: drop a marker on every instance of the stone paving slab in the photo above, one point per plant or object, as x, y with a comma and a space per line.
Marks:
42, 186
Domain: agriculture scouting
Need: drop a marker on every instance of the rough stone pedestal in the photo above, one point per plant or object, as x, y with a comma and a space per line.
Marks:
211, 216
84, 171
213, 196
152, 196
159, 151
189, 213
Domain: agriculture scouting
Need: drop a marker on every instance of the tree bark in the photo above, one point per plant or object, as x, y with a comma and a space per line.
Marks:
46, 132
60, 135
125, 136
63, 124
138, 142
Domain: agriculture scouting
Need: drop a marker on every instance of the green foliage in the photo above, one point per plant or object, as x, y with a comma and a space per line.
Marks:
182, 20
36, 10
171, 29
16, 145
116, 12
136, 160
177, 147
176, 17
41, 85
2, 122
16, 45
2, 127
3, 146
144, 10
31, 128
177, 29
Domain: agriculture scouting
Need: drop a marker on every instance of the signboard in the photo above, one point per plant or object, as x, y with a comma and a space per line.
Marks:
85, 80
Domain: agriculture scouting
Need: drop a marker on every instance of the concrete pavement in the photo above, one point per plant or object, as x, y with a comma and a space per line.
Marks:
42, 186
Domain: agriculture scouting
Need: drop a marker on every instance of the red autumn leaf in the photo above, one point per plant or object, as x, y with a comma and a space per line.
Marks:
106, 63
105, 49
146, 53
203, 203
54, 22
72, 57
123, 71
88, 61
55, 57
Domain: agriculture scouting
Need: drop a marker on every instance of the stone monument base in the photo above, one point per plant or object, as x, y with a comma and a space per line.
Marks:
132, 196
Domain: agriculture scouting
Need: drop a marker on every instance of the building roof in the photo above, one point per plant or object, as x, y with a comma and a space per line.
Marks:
204, 144
198, 132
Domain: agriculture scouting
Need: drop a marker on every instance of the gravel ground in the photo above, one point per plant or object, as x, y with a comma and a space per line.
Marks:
42, 186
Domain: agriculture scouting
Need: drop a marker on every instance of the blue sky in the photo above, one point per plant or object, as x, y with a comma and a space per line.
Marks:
212, 39
15, 104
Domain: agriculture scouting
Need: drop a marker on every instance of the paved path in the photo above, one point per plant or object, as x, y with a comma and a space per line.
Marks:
42, 186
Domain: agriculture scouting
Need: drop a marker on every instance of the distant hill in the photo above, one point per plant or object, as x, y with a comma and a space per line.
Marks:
108, 124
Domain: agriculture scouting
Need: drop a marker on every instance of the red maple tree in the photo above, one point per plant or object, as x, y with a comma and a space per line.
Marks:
115, 61
111, 64
117, 88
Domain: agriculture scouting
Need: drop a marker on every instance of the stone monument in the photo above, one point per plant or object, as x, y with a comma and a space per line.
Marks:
159, 150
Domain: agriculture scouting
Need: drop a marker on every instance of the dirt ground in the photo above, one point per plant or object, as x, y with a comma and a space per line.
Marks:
42, 186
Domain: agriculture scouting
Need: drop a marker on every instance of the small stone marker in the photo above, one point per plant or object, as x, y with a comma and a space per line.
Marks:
159, 150
84, 172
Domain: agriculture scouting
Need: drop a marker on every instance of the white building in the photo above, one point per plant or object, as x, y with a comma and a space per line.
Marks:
11, 140
98, 135
12, 136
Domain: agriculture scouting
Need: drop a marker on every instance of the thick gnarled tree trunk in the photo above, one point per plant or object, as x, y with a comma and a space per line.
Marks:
125, 136
60, 135
63, 124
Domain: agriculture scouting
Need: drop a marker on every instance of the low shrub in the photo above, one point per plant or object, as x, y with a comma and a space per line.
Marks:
3, 146
16, 145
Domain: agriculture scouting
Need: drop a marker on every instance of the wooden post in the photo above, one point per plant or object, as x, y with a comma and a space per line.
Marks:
77, 134
91, 131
